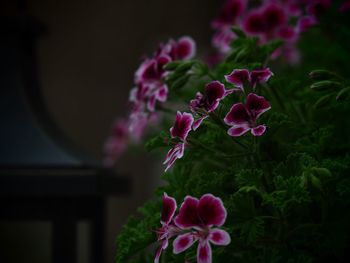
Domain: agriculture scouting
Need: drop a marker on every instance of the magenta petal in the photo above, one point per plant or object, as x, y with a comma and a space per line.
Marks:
211, 210
237, 77
230, 91
168, 209
186, 48
150, 72
305, 22
214, 91
237, 115
287, 33
174, 153
182, 126
183, 242
259, 130
254, 23
198, 122
162, 247
196, 102
237, 131
158, 254
188, 216
345, 6
204, 254
260, 76
162, 93
219, 237
222, 39
151, 104
274, 16
257, 105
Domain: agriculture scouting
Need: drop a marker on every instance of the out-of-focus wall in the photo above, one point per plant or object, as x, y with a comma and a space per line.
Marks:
87, 62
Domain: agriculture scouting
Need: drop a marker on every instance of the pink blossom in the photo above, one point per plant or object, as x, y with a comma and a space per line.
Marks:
243, 117
345, 6
117, 142
203, 218
241, 77
202, 105
182, 126
168, 229
229, 15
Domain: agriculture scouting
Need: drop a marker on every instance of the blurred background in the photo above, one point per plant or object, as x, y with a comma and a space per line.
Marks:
86, 54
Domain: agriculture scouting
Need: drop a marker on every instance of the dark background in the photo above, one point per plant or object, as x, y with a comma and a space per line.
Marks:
86, 64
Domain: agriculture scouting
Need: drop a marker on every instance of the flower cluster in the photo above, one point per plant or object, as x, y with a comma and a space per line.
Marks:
241, 117
149, 90
149, 85
198, 220
273, 19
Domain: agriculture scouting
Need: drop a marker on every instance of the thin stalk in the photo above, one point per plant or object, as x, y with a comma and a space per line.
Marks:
221, 124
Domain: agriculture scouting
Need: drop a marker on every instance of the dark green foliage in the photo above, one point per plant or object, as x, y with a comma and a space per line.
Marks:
287, 193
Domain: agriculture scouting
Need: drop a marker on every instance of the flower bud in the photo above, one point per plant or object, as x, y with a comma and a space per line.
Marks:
325, 85
321, 74
343, 94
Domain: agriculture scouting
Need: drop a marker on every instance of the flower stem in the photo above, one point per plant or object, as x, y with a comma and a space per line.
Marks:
221, 124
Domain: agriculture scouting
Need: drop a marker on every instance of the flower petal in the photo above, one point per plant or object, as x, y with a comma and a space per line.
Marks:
204, 254
274, 15
211, 210
219, 237
174, 153
214, 91
257, 105
237, 77
186, 48
182, 126
162, 93
260, 76
162, 247
237, 131
254, 23
198, 122
188, 214
196, 103
259, 130
183, 242
237, 115
168, 209
305, 22
151, 103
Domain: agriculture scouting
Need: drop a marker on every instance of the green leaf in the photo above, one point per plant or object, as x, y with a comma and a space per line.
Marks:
239, 32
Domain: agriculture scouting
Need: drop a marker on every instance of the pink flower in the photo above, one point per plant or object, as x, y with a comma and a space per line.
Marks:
243, 117
345, 6
228, 16
137, 123
183, 49
260, 76
229, 13
168, 229
116, 143
202, 105
266, 21
222, 39
204, 217
240, 77
305, 22
180, 130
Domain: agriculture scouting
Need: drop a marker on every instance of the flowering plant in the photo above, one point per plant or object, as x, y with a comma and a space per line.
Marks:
255, 142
